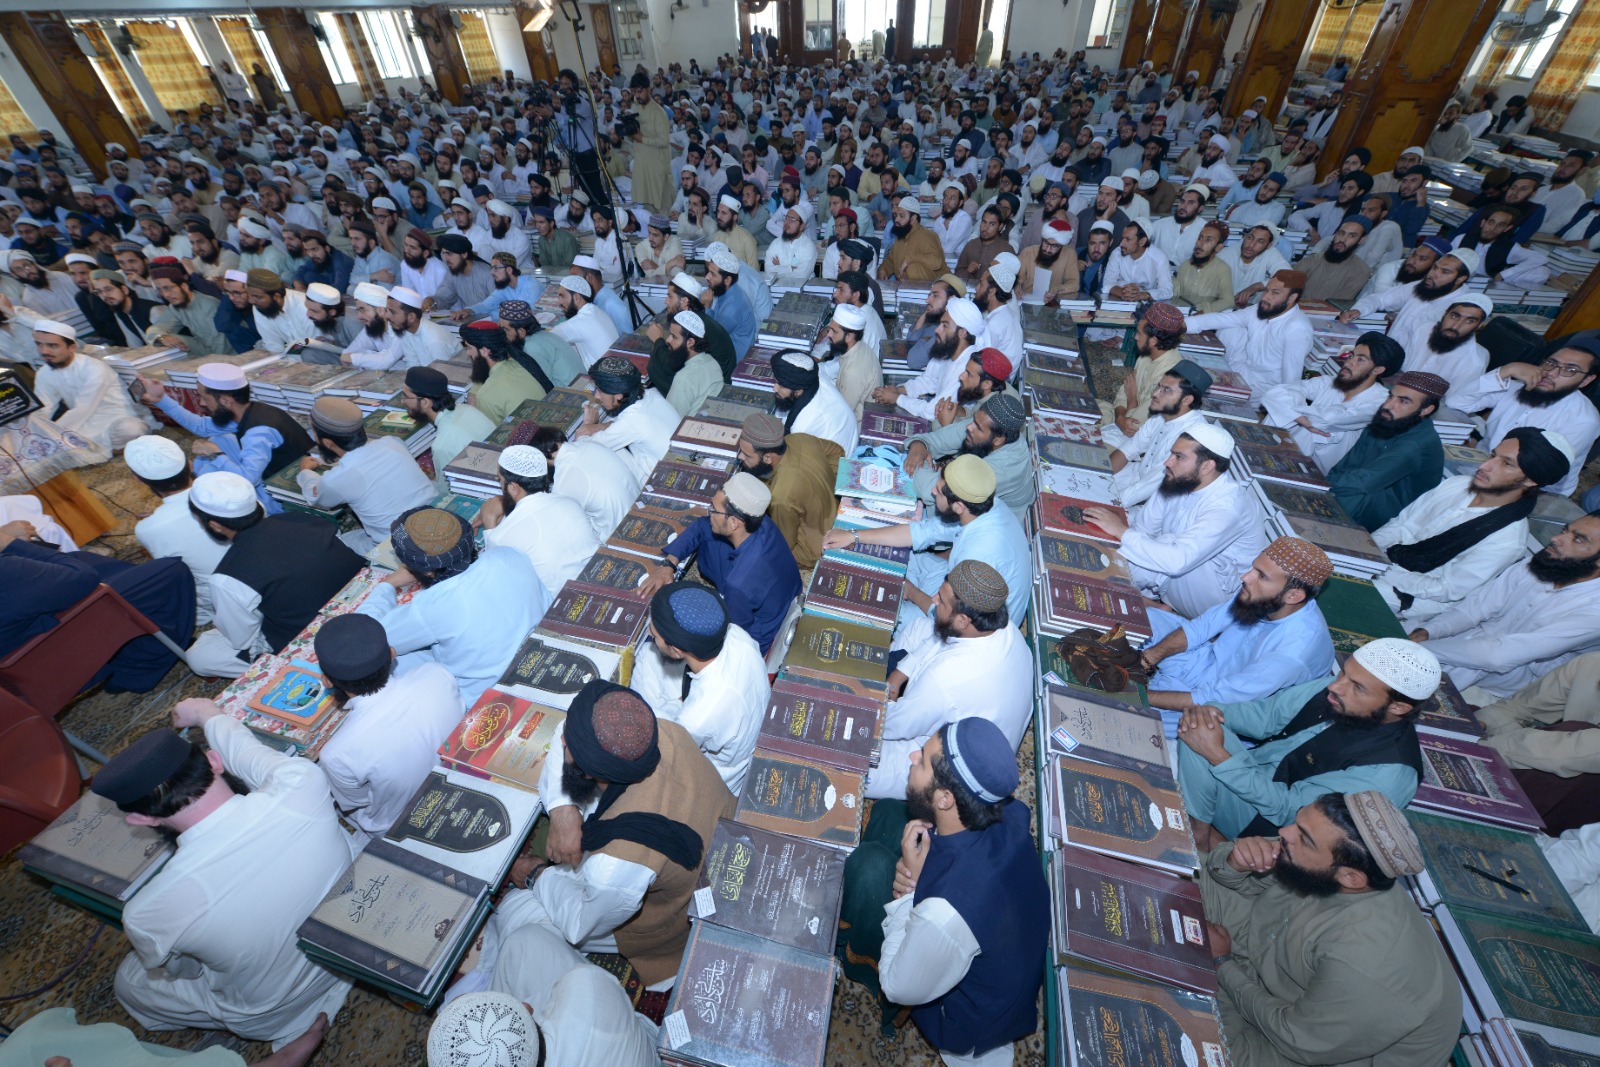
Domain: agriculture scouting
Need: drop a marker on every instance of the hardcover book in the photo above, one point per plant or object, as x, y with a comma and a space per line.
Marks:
887, 423
1281, 466
1094, 726
1127, 814
836, 647
587, 613
551, 671
645, 532
771, 885
620, 572
1260, 435
873, 691
876, 473
1094, 487
709, 435
1350, 541
682, 481
1492, 869
91, 848
1057, 450
1064, 514
852, 593
503, 737
1113, 1021
297, 694
478, 462
823, 725
1472, 780
1085, 602
803, 798
1082, 556
1293, 500
474, 826
1064, 401
1355, 613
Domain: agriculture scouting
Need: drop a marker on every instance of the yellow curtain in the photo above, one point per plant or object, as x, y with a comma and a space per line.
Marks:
1494, 64
1354, 24
355, 46
109, 67
1572, 61
170, 65
243, 44
12, 118
477, 49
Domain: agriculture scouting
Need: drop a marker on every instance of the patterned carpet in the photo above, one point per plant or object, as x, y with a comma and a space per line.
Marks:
55, 955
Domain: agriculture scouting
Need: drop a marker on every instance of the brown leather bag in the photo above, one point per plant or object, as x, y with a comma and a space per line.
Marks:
1103, 661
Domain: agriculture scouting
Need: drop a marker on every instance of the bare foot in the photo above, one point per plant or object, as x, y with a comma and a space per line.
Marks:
298, 1052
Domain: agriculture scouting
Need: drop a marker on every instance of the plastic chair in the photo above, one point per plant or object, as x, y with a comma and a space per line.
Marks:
47, 672
39, 776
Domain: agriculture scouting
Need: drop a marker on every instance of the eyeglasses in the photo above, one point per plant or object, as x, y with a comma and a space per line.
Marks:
1566, 370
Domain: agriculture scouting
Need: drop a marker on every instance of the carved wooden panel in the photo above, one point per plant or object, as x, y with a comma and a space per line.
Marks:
1165, 32
605, 37
45, 47
1137, 34
1272, 55
1205, 45
298, 57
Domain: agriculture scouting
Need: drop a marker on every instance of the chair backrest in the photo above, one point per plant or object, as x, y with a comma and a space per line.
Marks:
39, 775
52, 668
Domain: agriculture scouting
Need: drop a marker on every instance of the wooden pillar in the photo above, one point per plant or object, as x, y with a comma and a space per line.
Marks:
1271, 56
295, 46
968, 22
1205, 43
792, 31
746, 49
1416, 57
1582, 309
540, 61
45, 47
1165, 32
443, 49
1137, 34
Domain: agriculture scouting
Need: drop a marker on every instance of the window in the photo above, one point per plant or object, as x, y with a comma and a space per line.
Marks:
387, 38
1528, 58
859, 18
999, 16
819, 25
1108, 24
334, 53
927, 29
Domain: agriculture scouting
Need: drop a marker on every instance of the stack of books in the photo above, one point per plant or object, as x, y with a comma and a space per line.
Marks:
650, 524
412, 432
885, 424
685, 482
93, 857
457, 371
1319, 518
131, 363
475, 471
561, 410
1060, 394
595, 615
795, 321
1465, 778
709, 436
875, 475
754, 371
850, 592
294, 387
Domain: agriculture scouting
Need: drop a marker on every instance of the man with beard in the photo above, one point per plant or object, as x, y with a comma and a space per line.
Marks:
1548, 395
1176, 234
377, 479
585, 327
369, 262
1002, 322
740, 241
257, 249
1261, 209
1325, 415
1270, 635
1501, 259
809, 403
1320, 220
698, 376
211, 260
1414, 267
426, 397
235, 318
724, 300
162, 241
639, 421
1565, 196
1450, 139
1189, 544
557, 247
49, 292
856, 369
994, 432
608, 242
374, 345
1446, 544
1338, 272
1268, 344
1204, 280
1138, 462
280, 313
924, 894
792, 258
503, 376
1095, 257
188, 320
916, 255
980, 251
953, 226
1452, 352
1526, 622
422, 341
977, 663
922, 336
334, 329
1093, 167
550, 529
1138, 270
1309, 920
1398, 456
1253, 261
85, 390
554, 355
467, 281
959, 327
1049, 275
1246, 188
121, 317
1213, 170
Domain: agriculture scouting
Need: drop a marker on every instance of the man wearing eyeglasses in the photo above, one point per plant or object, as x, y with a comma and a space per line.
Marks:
1547, 395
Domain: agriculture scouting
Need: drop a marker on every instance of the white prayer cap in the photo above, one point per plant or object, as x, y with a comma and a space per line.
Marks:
463, 202
1131, 172
1415, 150
1149, 179
1004, 270
1102, 224
1213, 439
223, 377
689, 284
501, 208
1468, 258
235, 276
409, 157
409, 297
385, 203
81, 189
799, 360
252, 228
446, 183
324, 294
1402, 665
154, 457
1114, 184
224, 494
724, 260
689, 167
1249, 114
524, 461
581, 197
79, 257
1478, 300
351, 153
965, 314
850, 317
1097, 139
484, 1030
371, 294
586, 262
802, 211
9, 259
113, 146
747, 493
573, 284
1219, 141
729, 202
1143, 224
60, 329
1560, 443
691, 323
1196, 187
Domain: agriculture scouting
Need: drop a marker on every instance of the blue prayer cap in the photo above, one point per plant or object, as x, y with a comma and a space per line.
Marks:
981, 758
1439, 245
1280, 177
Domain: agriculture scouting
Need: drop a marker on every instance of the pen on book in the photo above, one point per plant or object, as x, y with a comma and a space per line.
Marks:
1497, 880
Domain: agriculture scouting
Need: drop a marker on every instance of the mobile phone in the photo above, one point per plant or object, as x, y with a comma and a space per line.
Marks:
136, 390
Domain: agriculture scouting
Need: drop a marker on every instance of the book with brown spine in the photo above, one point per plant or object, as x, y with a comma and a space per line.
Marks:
803, 798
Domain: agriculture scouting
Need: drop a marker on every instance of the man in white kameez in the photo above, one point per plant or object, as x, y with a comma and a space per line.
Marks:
171, 529
1268, 344
422, 341
550, 529
792, 258
586, 327
98, 407
1137, 270
280, 313
1253, 261
639, 422
375, 346
1326, 414
379, 479
1139, 463
940, 381
1451, 350
1418, 306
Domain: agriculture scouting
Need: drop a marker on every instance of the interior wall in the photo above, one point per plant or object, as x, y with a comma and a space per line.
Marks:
505, 33
703, 30
1584, 119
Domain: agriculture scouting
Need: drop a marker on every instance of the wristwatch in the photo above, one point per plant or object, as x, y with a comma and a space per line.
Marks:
1218, 961
533, 876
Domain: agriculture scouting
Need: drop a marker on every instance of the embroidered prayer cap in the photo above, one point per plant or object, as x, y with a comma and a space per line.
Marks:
336, 415
1301, 560
850, 317
154, 457
371, 294
724, 260
1007, 415
1164, 317
1148, 179
660, 222
729, 202
103, 275
1213, 439
484, 1030
969, 479
1422, 381
574, 284
142, 767
222, 377
524, 461
747, 493
322, 293
166, 272
764, 431
483, 333
794, 370
994, 363
427, 382
432, 540
1004, 270
60, 329
1538, 455
224, 495
1193, 373
410, 298
615, 375
965, 314
517, 312
263, 279
689, 284
1404, 666
612, 734
1468, 258
1386, 832
352, 646
691, 323
978, 585
981, 757
691, 617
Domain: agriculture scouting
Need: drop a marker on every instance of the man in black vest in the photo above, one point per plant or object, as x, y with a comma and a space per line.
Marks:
277, 574
240, 435
1353, 732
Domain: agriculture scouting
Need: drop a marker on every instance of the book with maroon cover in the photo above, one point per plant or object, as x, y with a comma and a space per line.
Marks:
1083, 557
1281, 467
503, 737
684, 481
1447, 712
854, 594
1134, 918
620, 572
802, 797
1260, 435
1130, 814
1472, 781
771, 885
867, 690
1113, 1021
590, 613
817, 724
716, 436
1063, 401
887, 424
1079, 601
1064, 514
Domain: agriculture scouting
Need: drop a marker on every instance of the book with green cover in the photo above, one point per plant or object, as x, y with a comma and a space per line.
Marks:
1356, 613
1492, 869
840, 648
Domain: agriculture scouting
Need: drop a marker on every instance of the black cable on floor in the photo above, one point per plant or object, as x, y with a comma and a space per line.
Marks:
64, 975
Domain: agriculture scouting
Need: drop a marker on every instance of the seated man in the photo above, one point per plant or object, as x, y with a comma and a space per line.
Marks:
739, 549
1156, 338
213, 932
96, 403
40, 581
393, 727
944, 905
504, 375
597, 478
1139, 463
1398, 456
278, 572
800, 472
809, 403
705, 674
473, 609
552, 530
1189, 544
171, 529
1324, 415
624, 853
1269, 636
977, 662
426, 397
639, 422
1526, 622
1267, 344
1575, 857
996, 432
378, 479
1549, 733
1354, 731
1446, 544
1321, 958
